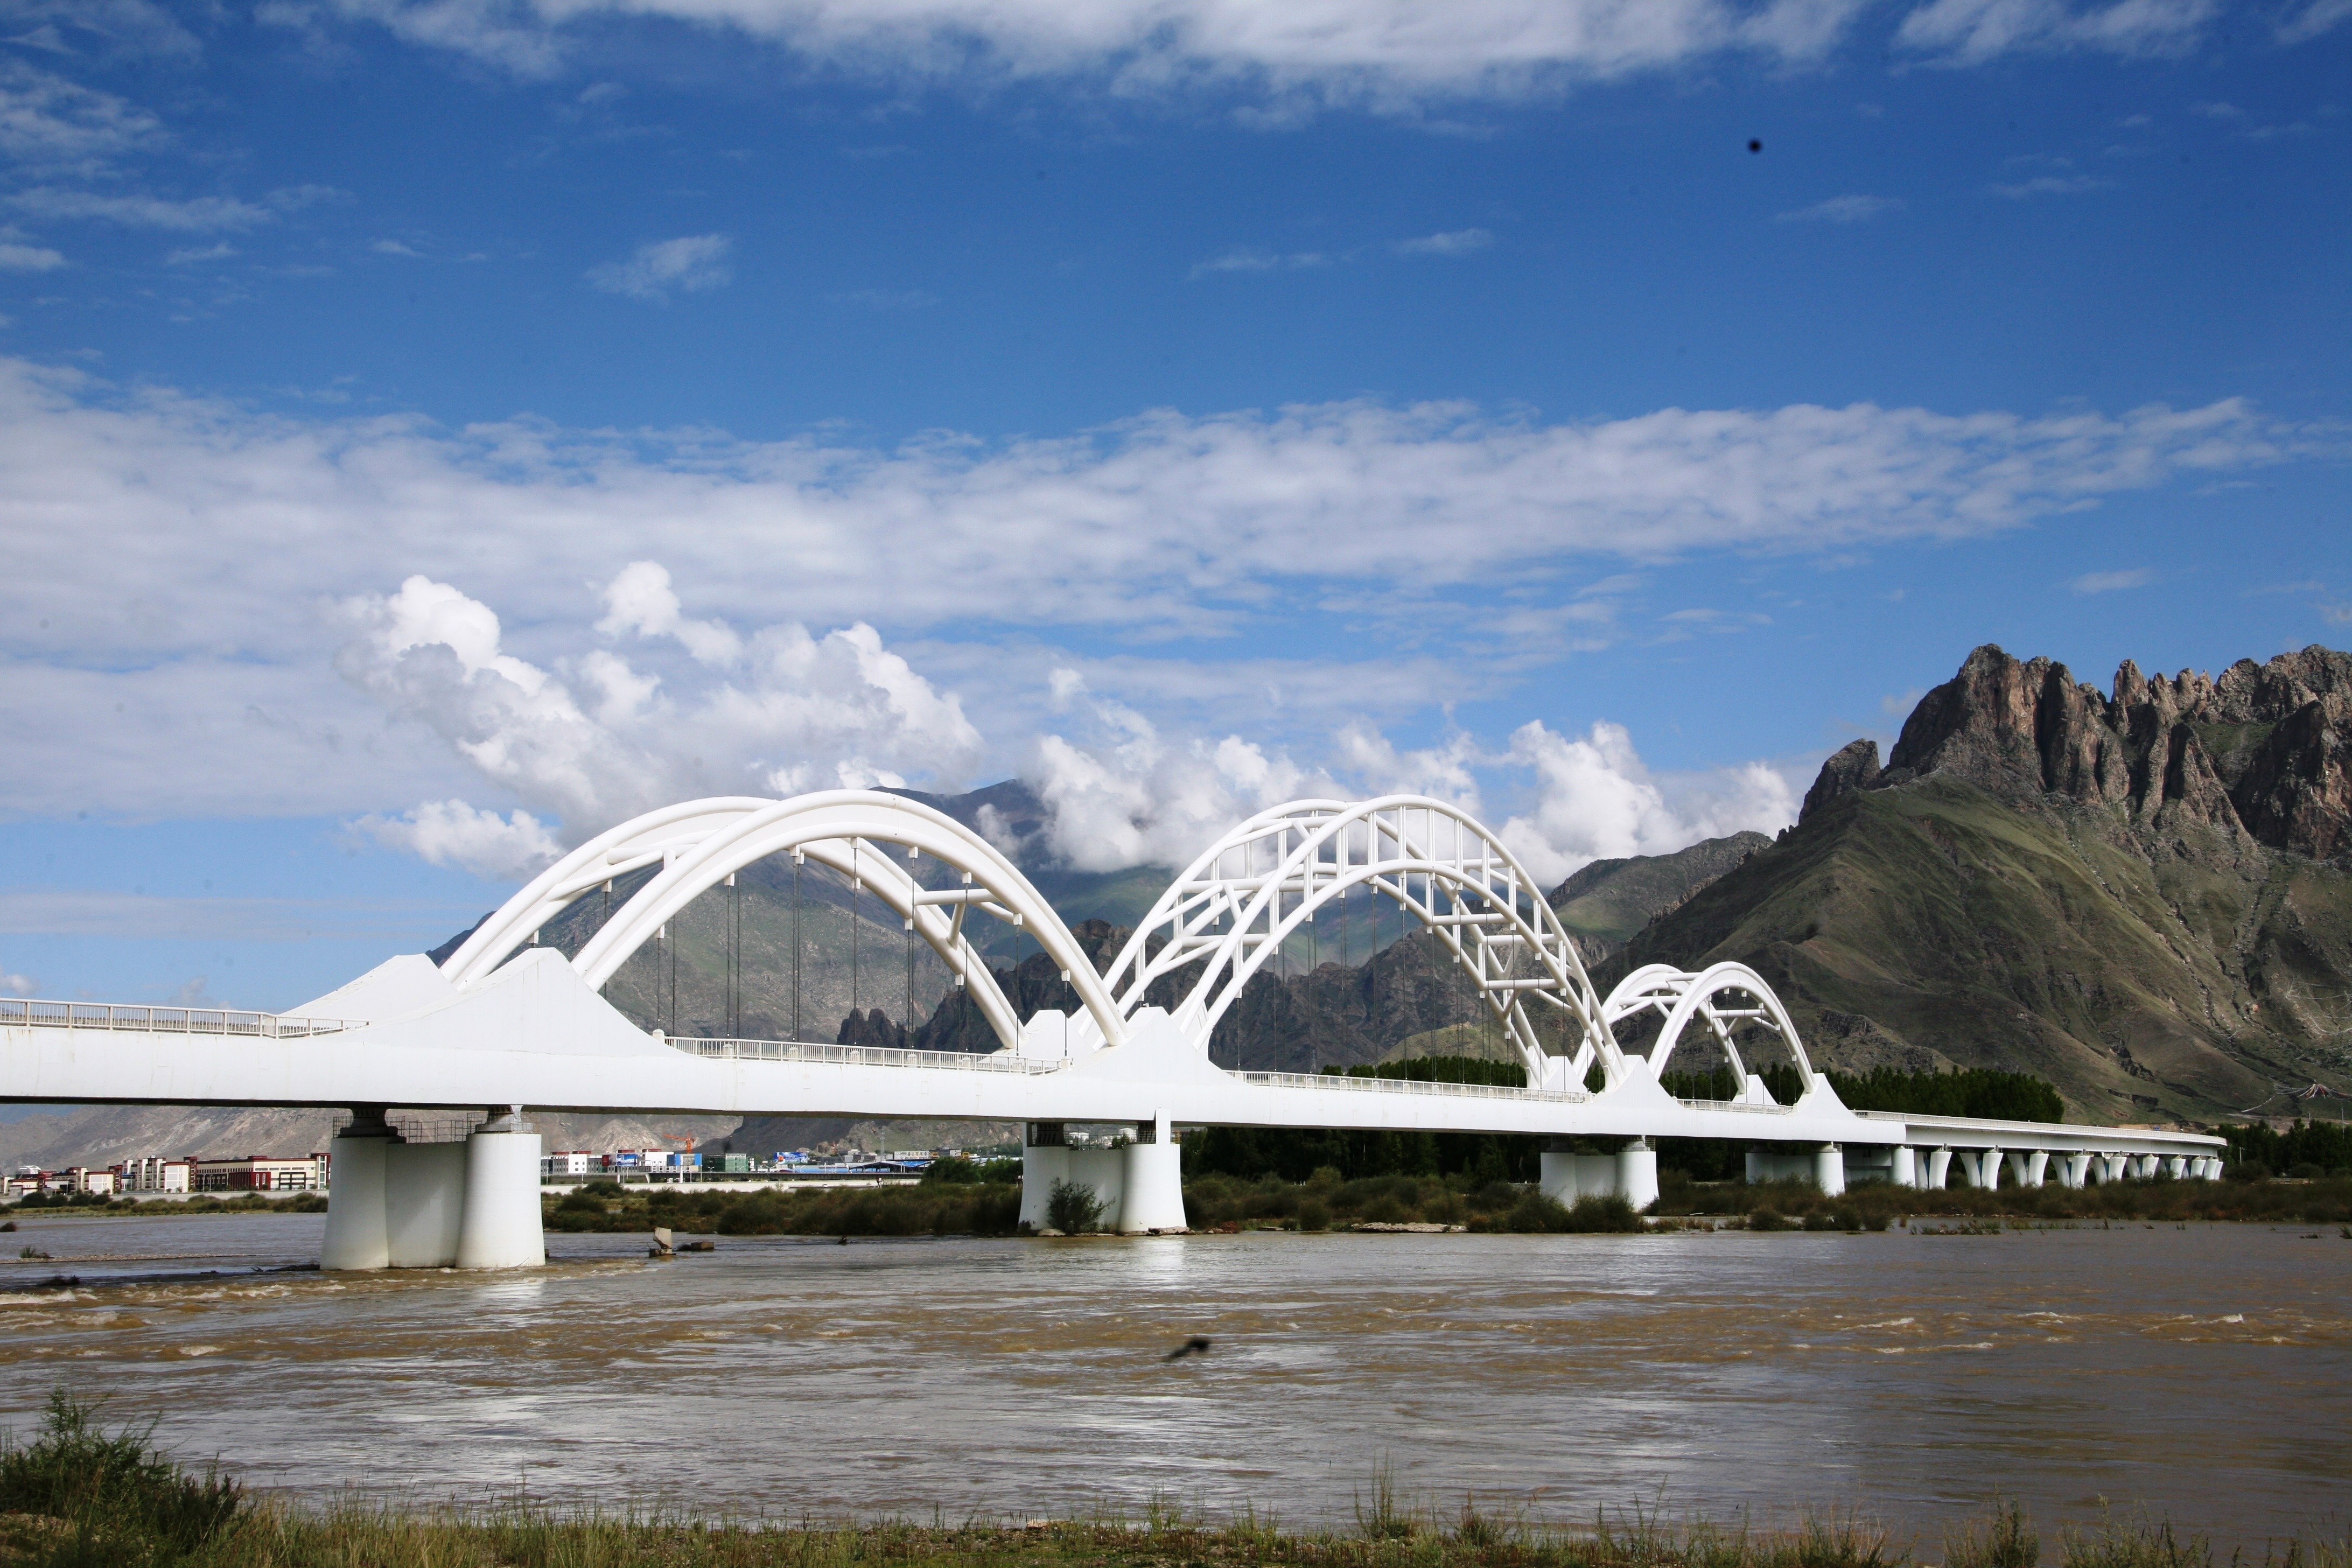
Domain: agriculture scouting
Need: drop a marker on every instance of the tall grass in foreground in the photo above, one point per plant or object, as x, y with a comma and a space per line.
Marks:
76, 1497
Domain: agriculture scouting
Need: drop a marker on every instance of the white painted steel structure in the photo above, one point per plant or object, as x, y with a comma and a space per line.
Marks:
505, 1023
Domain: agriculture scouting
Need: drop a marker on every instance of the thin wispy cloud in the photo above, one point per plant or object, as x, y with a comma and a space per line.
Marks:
17, 258
1843, 210
886, 298
1459, 242
2048, 185
197, 215
691, 264
2113, 582
188, 256
1247, 259
1971, 32
1389, 55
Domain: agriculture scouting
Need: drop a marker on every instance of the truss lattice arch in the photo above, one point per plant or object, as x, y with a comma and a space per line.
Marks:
866, 834
1722, 999
1230, 910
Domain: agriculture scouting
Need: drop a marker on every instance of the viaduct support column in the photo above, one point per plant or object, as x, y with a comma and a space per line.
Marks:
1940, 1167
2074, 1170
355, 1217
1637, 1174
1045, 1160
1829, 1169
1152, 1200
498, 1226
1905, 1169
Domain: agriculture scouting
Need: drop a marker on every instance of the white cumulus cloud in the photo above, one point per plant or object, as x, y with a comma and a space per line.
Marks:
1595, 800
600, 740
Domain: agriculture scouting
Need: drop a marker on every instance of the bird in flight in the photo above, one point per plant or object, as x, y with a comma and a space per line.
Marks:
1196, 1345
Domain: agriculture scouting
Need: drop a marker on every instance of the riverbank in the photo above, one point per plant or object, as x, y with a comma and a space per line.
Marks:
1327, 1203
79, 1494
993, 1207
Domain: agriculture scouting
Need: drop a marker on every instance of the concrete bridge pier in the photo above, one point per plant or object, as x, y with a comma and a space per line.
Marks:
499, 1225
396, 1204
2074, 1170
1637, 1174
425, 1204
1939, 1168
357, 1234
1903, 1166
1152, 1187
1829, 1169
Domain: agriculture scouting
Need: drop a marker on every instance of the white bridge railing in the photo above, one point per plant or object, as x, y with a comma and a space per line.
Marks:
1407, 1086
18, 1013
861, 1056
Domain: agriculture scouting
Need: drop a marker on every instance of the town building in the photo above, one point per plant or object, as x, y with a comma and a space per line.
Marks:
262, 1173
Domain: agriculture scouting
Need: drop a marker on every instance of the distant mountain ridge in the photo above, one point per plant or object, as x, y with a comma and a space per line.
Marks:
2144, 896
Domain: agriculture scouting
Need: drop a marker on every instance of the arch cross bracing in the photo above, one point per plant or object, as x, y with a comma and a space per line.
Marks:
700, 843
1723, 997
1232, 909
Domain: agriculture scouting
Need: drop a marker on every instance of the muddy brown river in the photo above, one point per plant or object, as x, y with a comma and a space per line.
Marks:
2203, 1375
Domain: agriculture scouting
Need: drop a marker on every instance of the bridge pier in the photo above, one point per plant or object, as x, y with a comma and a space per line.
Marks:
424, 1204
1829, 1169
499, 1228
357, 1234
396, 1205
1152, 1196
1045, 1160
1903, 1167
1140, 1187
1939, 1169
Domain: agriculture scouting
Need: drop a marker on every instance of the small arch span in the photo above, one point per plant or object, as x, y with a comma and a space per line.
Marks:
1721, 998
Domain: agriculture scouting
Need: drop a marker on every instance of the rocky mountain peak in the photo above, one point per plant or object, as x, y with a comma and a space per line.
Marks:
2264, 755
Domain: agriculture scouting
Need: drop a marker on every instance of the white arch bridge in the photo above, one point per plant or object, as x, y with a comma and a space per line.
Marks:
504, 1024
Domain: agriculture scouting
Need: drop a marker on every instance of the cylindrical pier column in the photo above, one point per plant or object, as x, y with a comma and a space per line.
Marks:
1637, 1174
1152, 1197
1904, 1171
1939, 1168
1045, 1160
355, 1215
2074, 1170
499, 1228
1829, 1169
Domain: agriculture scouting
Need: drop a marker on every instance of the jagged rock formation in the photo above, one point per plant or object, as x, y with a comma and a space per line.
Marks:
2141, 895
2259, 753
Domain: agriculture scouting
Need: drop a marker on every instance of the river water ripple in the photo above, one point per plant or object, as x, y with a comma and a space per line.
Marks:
2200, 1373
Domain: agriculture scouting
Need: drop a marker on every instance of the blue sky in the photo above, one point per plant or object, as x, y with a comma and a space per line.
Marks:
435, 431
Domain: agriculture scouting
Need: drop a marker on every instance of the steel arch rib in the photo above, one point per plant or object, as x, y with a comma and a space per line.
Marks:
1207, 914
615, 852
810, 823
1696, 1001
